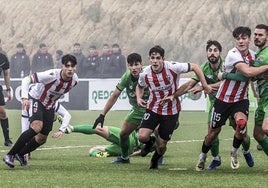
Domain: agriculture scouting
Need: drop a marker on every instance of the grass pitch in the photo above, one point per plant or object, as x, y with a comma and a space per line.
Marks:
65, 162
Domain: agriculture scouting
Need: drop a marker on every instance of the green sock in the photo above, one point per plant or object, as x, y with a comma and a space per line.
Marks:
264, 145
246, 144
86, 129
215, 147
124, 144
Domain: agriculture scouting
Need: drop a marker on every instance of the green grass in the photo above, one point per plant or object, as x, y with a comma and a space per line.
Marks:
56, 165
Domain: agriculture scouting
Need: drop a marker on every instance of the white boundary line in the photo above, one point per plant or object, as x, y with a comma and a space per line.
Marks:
87, 146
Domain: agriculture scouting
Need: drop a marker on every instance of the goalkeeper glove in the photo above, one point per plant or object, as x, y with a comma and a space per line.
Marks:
100, 120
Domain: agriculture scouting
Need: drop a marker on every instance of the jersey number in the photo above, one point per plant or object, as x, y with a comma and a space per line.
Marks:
146, 116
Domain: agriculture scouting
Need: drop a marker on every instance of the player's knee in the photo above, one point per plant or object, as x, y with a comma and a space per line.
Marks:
124, 135
3, 114
41, 139
258, 133
143, 138
265, 129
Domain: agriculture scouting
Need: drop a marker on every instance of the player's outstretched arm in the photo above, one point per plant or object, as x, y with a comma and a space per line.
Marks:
200, 74
111, 101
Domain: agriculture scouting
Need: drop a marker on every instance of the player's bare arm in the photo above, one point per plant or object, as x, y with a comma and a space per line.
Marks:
139, 94
199, 73
111, 101
184, 88
251, 71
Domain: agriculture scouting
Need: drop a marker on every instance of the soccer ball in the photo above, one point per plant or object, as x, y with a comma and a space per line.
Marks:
195, 96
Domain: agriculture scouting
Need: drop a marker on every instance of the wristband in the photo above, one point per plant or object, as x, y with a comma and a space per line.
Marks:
8, 89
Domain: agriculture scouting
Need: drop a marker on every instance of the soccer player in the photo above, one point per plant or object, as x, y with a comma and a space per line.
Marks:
111, 134
162, 79
210, 69
40, 100
260, 131
128, 81
232, 96
4, 66
65, 118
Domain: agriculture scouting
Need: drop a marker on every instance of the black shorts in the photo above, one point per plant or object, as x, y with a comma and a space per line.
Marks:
2, 98
38, 112
222, 110
167, 123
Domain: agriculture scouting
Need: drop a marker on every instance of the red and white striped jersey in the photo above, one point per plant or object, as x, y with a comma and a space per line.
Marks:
231, 91
162, 85
49, 86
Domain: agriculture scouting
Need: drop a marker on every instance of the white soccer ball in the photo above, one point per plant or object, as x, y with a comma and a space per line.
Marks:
195, 96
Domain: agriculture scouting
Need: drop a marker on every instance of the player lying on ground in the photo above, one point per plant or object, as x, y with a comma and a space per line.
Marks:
111, 134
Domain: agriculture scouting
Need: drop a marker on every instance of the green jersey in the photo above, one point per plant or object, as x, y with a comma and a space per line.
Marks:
210, 75
262, 59
129, 83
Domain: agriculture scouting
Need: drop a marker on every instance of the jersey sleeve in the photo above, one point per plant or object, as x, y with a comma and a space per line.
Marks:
180, 67
4, 63
43, 77
233, 57
122, 84
65, 115
141, 80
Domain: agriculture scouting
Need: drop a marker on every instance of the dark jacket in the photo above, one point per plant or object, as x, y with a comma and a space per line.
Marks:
42, 62
19, 65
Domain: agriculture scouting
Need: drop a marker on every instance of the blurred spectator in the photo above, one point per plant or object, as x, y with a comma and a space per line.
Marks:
105, 68
19, 63
92, 63
1, 49
118, 61
42, 60
80, 58
59, 54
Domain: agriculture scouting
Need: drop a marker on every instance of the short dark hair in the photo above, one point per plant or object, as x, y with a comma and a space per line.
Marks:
262, 26
106, 45
68, 58
133, 58
76, 44
241, 30
157, 49
42, 45
60, 52
20, 45
215, 43
93, 47
115, 45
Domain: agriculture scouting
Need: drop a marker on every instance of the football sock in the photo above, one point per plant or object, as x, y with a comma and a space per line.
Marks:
24, 123
246, 144
234, 150
156, 156
215, 147
124, 144
264, 145
5, 128
24, 138
86, 129
237, 142
205, 148
31, 146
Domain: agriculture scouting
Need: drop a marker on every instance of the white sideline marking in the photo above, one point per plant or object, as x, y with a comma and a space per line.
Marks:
87, 146
185, 141
178, 169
